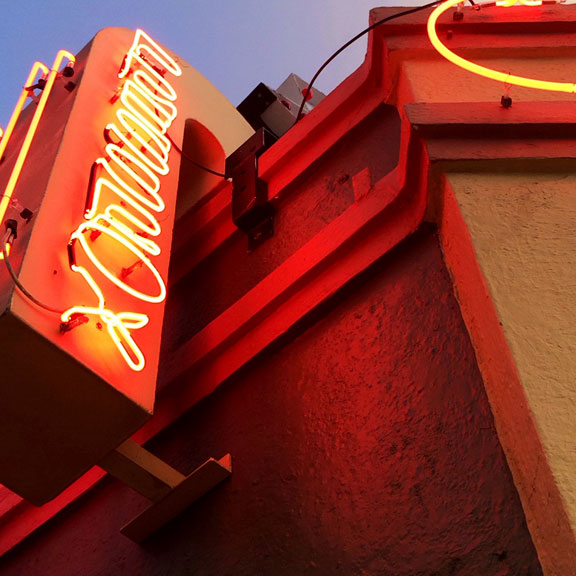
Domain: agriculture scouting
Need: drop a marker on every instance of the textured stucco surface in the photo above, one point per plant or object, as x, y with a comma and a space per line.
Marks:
321, 194
437, 80
524, 234
365, 446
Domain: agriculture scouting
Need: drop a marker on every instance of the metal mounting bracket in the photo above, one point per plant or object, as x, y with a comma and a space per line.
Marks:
170, 491
252, 210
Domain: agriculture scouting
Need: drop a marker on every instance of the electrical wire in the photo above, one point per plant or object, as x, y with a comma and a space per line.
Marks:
192, 161
18, 284
351, 41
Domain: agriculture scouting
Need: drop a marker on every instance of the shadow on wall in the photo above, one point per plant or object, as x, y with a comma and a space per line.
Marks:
202, 147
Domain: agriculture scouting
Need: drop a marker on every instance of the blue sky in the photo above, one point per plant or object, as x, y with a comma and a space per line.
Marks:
234, 43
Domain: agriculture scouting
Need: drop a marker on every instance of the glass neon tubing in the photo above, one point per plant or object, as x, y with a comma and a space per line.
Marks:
482, 70
24, 94
62, 54
22, 155
6, 198
155, 105
157, 206
118, 325
152, 228
151, 113
131, 124
150, 46
95, 224
118, 155
124, 141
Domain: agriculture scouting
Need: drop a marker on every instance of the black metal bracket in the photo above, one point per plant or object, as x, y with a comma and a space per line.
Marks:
252, 210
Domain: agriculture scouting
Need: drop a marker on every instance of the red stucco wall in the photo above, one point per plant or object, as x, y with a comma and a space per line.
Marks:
365, 445
319, 195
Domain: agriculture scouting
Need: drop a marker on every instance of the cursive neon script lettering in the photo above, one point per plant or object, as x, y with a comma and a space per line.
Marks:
137, 153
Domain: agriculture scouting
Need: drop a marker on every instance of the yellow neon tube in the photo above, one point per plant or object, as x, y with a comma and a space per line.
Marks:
157, 206
31, 80
482, 70
155, 81
151, 186
9, 190
155, 107
138, 151
159, 152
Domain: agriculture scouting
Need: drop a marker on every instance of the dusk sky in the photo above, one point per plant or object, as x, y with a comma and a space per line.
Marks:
235, 43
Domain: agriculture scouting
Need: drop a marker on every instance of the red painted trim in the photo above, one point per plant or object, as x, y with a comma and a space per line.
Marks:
24, 518
201, 231
344, 249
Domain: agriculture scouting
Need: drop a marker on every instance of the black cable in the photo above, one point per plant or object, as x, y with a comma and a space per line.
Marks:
191, 160
351, 41
17, 282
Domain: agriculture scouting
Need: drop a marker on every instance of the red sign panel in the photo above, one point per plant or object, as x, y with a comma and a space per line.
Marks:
91, 177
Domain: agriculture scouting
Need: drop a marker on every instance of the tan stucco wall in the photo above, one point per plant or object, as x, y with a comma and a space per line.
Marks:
434, 79
523, 227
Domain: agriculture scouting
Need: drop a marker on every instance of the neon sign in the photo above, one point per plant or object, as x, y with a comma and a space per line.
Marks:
482, 70
136, 157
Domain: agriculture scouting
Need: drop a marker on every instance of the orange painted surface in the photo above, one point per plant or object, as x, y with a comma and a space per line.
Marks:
131, 181
101, 182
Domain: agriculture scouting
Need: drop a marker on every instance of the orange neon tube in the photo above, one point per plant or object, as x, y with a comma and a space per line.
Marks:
148, 225
118, 325
110, 217
143, 43
9, 190
97, 225
482, 70
135, 95
161, 148
137, 153
145, 199
146, 178
157, 83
